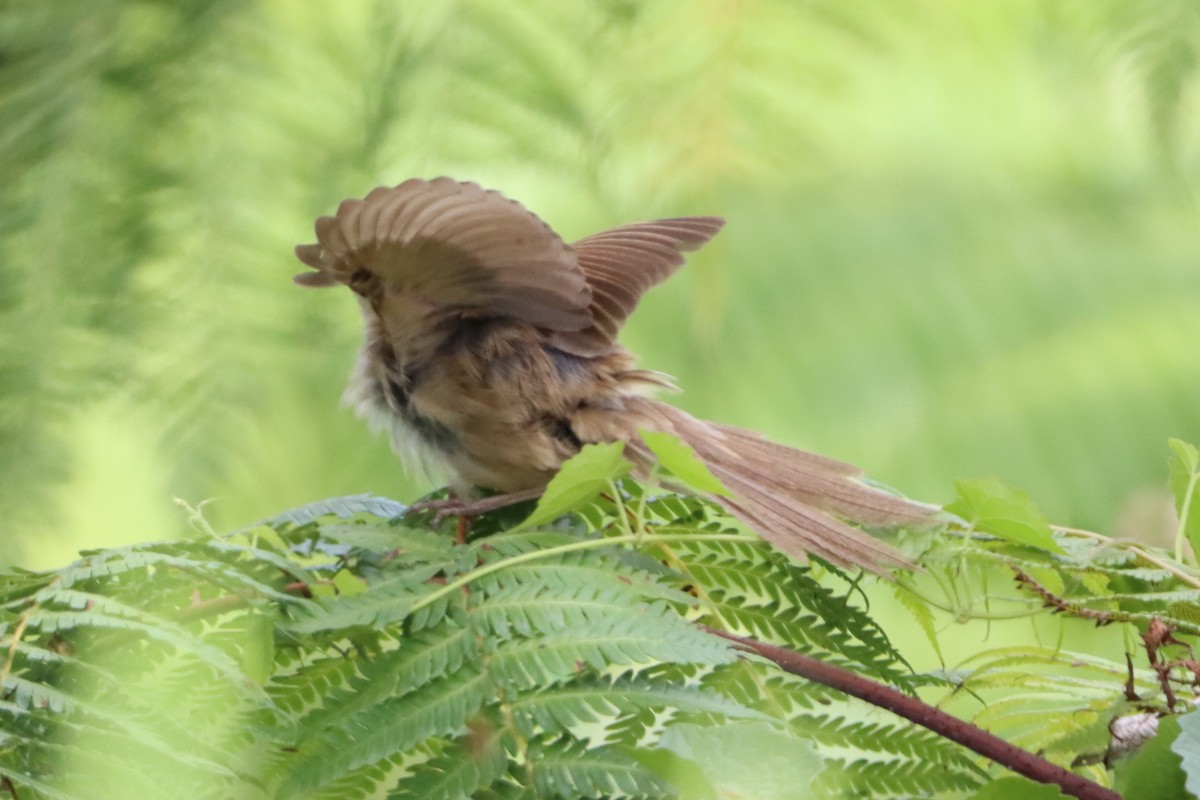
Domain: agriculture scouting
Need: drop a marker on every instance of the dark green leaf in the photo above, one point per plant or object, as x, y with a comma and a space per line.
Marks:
1187, 747
1154, 772
581, 477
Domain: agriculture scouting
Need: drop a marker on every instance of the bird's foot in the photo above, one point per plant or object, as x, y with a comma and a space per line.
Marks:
467, 508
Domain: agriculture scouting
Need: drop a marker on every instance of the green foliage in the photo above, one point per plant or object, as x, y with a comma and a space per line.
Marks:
1187, 747
595, 467
1153, 773
342, 651
991, 507
928, 269
1185, 485
681, 461
1017, 787
555, 662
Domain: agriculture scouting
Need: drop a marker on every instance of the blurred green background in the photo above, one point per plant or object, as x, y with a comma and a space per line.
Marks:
962, 236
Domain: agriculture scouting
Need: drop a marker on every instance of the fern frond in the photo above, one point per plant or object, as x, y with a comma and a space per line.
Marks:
99, 611
30, 695
591, 699
460, 770
368, 782
750, 586
419, 659
780, 696
916, 744
399, 543
630, 636
889, 779
19, 775
236, 569
438, 708
595, 568
388, 602
341, 507
567, 769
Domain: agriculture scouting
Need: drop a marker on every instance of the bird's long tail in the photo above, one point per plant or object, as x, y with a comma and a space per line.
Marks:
796, 500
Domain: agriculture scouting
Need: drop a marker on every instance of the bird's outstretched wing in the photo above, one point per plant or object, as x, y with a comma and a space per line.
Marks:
462, 248
456, 246
621, 265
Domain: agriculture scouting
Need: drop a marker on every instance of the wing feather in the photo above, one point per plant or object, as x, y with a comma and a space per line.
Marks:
621, 264
456, 245
464, 248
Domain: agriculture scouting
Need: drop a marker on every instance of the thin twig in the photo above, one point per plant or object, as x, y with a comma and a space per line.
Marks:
970, 736
18, 632
1146, 556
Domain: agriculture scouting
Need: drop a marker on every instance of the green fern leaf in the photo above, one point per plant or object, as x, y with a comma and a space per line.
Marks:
564, 708
569, 770
625, 637
462, 769
387, 602
580, 477
438, 708
420, 658
343, 507
889, 779
98, 611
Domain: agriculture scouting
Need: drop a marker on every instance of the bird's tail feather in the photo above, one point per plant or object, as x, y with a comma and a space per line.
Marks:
796, 500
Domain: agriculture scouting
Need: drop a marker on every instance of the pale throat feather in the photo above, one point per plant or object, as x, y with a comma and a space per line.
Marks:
382, 377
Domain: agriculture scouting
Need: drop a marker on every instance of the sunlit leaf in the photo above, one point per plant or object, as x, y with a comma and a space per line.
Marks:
1014, 786
1185, 485
750, 759
682, 461
582, 476
1002, 511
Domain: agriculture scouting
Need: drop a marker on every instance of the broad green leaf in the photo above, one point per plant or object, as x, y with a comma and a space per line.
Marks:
683, 463
1154, 772
688, 777
1015, 786
748, 759
258, 648
1003, 511
1187, 747
564, 768
1185, 482
348, 584
581, 477
1095, 582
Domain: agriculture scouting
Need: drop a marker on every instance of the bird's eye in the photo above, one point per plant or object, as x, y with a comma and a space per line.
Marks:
363, 281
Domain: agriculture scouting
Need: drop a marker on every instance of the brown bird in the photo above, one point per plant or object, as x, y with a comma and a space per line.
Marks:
491, 351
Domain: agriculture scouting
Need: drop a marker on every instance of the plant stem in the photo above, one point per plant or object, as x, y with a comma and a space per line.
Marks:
970, 736
1184, 512
12, 645
587, 544
1175, 570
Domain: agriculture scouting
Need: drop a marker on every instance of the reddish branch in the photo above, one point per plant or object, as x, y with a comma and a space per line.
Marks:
1059, 604
970, 736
